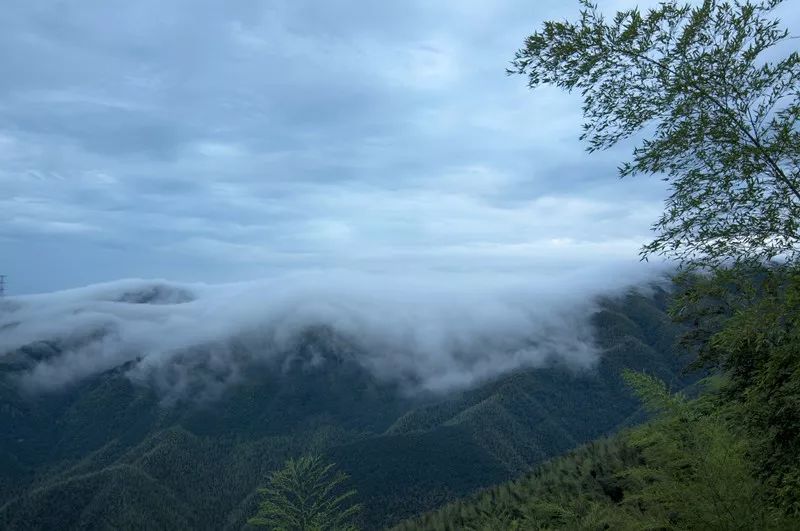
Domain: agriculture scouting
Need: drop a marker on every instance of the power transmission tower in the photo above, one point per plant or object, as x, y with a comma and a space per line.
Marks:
2, 285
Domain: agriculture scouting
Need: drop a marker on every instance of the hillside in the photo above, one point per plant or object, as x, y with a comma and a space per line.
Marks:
588, 474
690, 468
105, 452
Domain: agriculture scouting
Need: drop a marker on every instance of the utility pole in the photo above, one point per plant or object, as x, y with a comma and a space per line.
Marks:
2, 285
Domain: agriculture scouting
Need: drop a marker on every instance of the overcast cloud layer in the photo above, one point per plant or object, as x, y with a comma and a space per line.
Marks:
222, 141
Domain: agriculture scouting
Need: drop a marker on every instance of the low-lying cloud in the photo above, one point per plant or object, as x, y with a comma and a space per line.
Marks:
435, 332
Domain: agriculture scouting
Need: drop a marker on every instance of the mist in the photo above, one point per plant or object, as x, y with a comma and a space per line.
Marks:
436, 332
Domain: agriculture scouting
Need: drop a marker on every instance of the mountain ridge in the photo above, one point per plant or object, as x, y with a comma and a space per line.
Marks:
405, 453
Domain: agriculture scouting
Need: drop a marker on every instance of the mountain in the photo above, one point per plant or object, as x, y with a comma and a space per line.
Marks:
587, 475
110, 451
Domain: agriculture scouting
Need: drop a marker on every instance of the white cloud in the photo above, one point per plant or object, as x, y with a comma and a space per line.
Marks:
434, 332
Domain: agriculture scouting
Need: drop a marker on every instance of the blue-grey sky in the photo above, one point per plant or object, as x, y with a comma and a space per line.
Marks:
220, 141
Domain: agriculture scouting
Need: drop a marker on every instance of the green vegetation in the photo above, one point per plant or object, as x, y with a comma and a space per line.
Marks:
720, 116
696, 472
747, 325
107, 451
722, 119
719, 97
689, 469
305, 495
722, 122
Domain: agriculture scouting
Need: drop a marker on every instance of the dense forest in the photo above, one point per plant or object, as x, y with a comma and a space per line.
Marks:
108, 454
694, 467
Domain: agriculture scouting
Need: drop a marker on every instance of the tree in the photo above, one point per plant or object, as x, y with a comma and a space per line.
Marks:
748, 326
714, 98
695, 471
720, 118
306, 495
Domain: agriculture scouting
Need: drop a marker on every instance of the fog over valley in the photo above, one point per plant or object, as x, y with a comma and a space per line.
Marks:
433, 333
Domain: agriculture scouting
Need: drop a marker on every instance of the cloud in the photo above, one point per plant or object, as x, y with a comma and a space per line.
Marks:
371, 160
435, 332
218, 142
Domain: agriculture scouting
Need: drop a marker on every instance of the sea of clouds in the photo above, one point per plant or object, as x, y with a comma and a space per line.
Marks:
434, 332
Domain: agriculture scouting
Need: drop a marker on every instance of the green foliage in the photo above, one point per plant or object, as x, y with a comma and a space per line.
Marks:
111, 499
696, 472
306, 495
722, 117
722, 120
404, 455
653, 393
691, 468
747, 324
562, 493
718, 105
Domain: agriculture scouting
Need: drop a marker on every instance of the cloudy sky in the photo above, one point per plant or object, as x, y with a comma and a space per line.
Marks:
221, 141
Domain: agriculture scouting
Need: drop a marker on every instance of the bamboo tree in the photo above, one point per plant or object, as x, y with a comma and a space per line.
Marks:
718, 107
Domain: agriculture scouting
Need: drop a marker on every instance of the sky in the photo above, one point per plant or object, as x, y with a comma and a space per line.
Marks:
231, 141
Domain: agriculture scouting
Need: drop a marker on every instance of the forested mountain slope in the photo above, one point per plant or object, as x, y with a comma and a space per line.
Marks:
691, 468
108, 453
